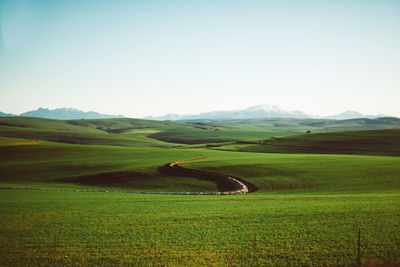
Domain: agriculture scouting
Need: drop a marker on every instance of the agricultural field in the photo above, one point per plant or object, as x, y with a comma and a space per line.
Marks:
70, 228
312, 193
136, 132
373, 142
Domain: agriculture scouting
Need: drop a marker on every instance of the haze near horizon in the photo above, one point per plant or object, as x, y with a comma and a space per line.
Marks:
157, 57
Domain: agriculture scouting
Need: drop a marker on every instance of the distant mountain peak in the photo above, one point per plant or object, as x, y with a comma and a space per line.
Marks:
258, 111
267, 108
261, 111
2, 114
350, 114
66, 114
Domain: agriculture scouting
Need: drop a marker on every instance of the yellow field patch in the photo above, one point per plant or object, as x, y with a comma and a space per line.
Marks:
24, 143
5, 141
143, 131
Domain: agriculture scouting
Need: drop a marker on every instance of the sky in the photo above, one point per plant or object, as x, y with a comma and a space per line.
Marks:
153, 57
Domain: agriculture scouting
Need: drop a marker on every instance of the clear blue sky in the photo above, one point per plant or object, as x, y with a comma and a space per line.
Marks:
140, 58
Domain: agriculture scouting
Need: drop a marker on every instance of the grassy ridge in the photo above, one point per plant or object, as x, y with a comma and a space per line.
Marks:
308, 173
55, 164
306, 212
128, 132
136, 132
125, 132
49, 164
194, 135
372, 142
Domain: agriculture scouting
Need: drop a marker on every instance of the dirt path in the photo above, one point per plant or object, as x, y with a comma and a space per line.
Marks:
236, 186
230, 184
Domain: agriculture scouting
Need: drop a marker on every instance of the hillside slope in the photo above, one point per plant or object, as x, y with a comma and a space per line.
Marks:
372, 142
138, 132
307, 172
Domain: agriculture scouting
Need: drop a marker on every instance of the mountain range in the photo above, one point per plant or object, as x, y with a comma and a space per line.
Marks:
62, 114
254, 112
261, 111
2, 114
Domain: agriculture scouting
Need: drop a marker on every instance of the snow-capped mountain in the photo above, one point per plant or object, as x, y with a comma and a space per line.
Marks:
261, 111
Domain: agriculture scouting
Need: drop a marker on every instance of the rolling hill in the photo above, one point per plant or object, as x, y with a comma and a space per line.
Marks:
306, 210
137, 132
371, 142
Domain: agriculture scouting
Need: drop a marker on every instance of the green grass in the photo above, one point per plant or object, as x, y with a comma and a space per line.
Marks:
66, 228
308, 173
137, 132
372, 142
306, 211
202, 135
49, 164
130, 132
127, 132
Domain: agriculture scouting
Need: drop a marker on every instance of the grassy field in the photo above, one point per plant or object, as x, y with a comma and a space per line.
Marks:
128, 132
69, 228
293, 173
49, 164
307, 209
136, 132
372, 142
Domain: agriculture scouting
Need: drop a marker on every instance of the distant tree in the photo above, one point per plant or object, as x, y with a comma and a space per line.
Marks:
308, 132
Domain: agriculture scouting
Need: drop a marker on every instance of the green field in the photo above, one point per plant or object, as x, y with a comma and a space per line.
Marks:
136, 132
373, 142
46, 228
314, 192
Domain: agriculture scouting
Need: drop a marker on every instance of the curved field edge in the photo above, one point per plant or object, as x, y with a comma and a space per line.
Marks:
227, 185
136, 169
48, 164
139, 132
372, 142
307, 172
45, 165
